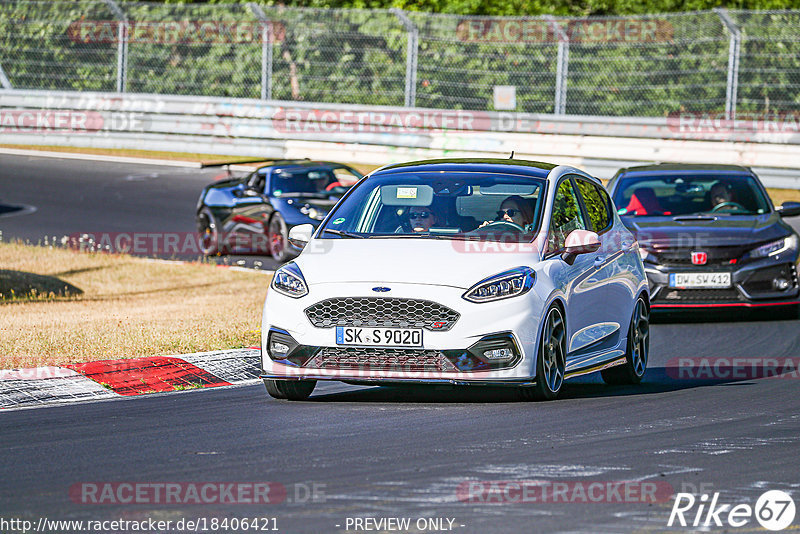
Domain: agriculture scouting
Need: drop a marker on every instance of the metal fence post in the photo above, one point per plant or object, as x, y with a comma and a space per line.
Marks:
734, 52
412, 51
562, 67
4, 81
266, 51
122, 45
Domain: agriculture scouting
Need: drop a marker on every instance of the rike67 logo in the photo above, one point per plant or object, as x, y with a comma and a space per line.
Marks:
774, 510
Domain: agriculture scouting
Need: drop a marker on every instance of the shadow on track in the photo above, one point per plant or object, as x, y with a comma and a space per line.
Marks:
726, 315
656, 380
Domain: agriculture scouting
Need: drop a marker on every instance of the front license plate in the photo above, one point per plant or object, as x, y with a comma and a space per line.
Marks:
384, 337
704, 280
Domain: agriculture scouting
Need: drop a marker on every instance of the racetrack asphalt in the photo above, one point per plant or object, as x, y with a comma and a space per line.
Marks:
74, 197
394, 452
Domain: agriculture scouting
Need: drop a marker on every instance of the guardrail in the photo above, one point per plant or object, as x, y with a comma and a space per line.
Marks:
377, 134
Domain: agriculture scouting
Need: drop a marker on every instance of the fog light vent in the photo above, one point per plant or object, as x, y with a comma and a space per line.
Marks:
499, 354
781, 284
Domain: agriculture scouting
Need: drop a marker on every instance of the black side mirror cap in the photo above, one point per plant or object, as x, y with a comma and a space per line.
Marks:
789, 209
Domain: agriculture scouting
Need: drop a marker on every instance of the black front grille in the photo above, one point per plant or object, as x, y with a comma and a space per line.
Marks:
381, 312
380, 359
698, 295
682, 257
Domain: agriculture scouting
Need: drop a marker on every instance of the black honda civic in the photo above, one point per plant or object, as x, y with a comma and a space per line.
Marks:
709, 236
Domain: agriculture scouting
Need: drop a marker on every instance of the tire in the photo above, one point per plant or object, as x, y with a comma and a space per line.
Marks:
637, 352
295, 390
208, 231
278, 236
551, 359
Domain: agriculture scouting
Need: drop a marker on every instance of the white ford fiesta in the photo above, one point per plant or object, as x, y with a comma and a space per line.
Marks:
460, 271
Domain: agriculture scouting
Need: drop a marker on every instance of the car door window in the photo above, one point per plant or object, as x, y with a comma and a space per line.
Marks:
597, 205
566, 217
345, 176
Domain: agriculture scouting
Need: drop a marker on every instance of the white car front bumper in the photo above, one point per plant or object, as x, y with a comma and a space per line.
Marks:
517, 317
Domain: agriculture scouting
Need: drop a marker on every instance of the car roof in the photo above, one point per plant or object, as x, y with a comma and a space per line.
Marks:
697, 168
522, 167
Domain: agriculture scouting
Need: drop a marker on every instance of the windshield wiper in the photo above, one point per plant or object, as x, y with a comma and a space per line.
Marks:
344, 234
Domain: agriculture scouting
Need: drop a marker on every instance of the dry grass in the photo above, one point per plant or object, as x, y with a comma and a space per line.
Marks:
130, 307
779, 196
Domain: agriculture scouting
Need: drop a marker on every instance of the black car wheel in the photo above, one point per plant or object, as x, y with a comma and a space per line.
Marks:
295, 390
278, 236
208, 230
551, 359
632, 371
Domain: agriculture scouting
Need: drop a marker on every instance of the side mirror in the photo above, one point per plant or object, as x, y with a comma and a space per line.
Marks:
300, 235
789, 209
579, 242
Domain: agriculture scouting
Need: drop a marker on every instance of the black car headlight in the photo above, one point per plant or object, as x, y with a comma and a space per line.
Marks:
512, 283
775, 247
289, 281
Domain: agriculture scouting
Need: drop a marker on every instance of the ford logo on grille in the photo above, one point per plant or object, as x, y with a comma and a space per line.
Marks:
381, 289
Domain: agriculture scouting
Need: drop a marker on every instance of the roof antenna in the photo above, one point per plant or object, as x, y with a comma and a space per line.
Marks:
512, 155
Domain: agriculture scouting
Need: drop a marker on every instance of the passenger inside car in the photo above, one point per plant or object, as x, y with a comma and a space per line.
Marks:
421, 218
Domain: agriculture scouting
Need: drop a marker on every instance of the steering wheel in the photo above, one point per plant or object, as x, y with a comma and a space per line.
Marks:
503, 224
333, 185
728, 204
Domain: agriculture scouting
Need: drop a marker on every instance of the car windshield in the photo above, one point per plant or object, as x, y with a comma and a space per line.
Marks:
440, 205
683, 194
295, 182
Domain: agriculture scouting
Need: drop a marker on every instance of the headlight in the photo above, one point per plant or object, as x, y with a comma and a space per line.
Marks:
505, 285
313, 213
289, 281
775, 247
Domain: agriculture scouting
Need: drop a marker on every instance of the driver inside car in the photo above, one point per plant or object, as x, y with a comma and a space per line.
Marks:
514, 209
720, 193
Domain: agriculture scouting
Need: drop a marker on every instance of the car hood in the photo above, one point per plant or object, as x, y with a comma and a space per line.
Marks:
451, 263
693, 231
322, 204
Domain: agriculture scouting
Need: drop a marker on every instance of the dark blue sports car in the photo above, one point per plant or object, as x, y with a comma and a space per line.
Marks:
709, 235
253, 215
